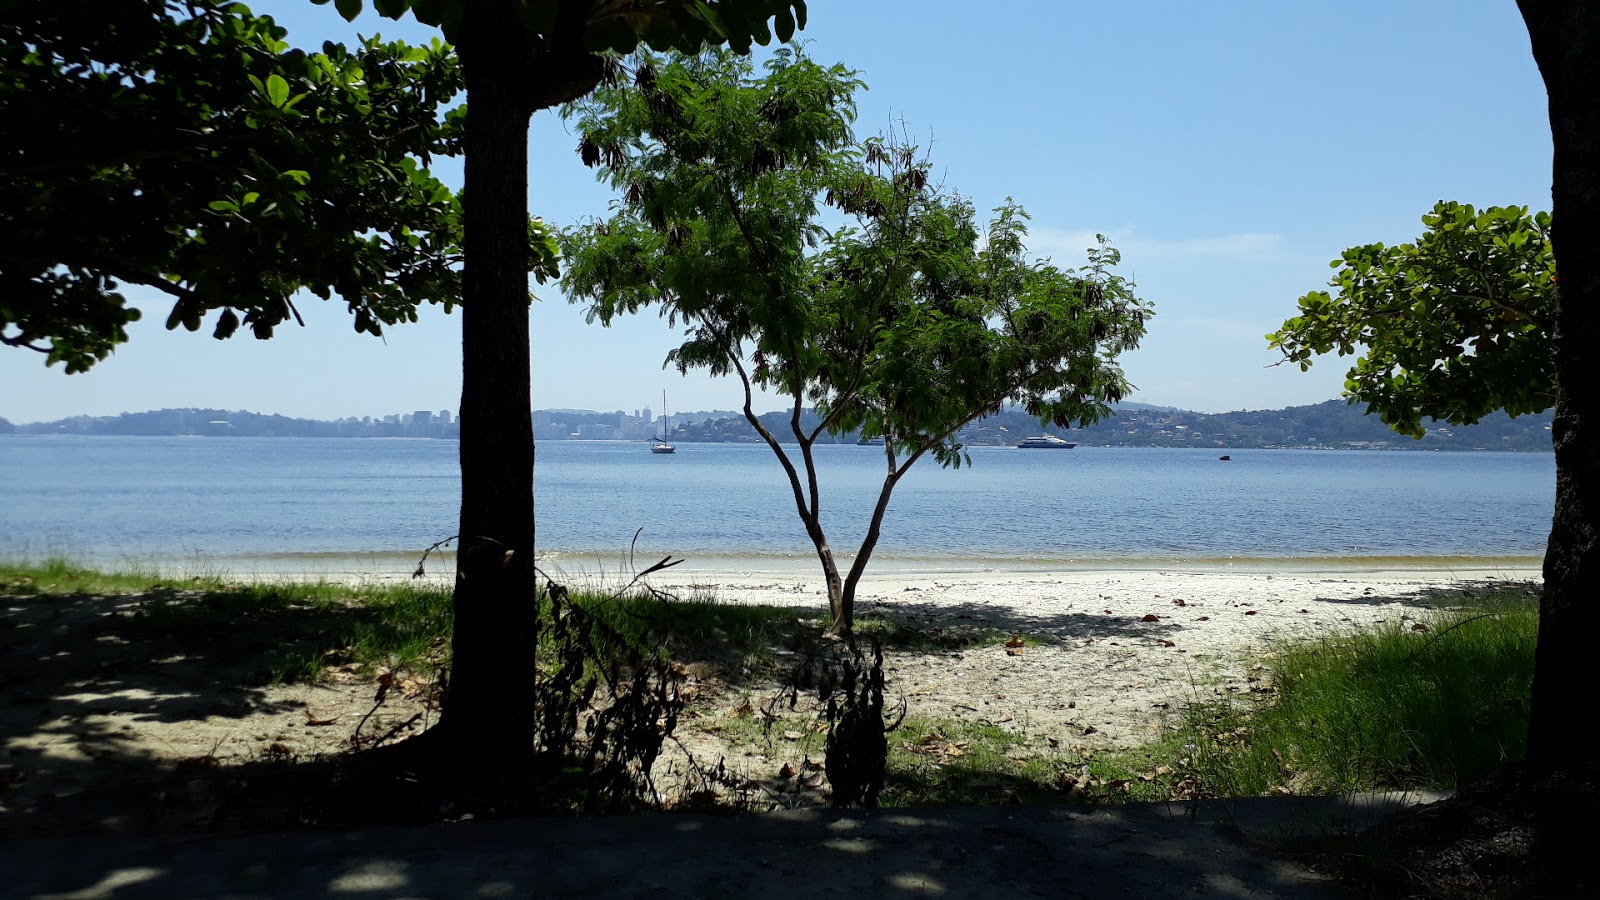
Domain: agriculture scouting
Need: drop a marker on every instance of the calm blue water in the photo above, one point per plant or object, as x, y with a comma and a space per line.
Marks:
120, 499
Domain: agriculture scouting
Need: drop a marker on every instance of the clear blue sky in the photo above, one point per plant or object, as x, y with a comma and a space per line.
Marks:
1231, 149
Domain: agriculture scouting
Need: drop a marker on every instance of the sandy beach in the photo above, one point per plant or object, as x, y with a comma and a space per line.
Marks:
1110, 652
1107, 656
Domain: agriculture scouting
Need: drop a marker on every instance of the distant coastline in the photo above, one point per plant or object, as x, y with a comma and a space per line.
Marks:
1332, 425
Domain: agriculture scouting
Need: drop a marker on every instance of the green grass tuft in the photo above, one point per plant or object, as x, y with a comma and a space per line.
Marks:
1393, 708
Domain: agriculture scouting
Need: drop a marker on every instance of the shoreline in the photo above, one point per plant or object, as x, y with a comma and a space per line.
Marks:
696, 571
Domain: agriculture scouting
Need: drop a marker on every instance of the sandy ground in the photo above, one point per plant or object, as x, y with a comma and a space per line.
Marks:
1110, 651
1107, 655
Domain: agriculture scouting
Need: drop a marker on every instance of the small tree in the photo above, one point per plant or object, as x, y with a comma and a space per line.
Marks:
1452, 327
906, 324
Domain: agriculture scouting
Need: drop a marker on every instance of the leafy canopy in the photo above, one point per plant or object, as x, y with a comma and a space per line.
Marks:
186, 147
907, 322
1451, 327
617, 26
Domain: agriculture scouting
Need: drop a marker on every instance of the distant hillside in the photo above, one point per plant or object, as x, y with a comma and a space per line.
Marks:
241, 423
1330, 425
1333, 424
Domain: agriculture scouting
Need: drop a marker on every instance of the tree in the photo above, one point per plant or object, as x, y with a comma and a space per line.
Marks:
217, 164
1565, 35
907, 324
520, 56
1452, 327
187, 148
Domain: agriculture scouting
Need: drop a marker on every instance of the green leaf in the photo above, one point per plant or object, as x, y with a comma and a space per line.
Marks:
348, 8
277, 90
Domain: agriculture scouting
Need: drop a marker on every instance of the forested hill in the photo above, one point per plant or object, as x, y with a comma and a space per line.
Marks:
1333, 424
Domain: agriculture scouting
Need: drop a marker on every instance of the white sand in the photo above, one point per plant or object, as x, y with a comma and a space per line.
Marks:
1092, 662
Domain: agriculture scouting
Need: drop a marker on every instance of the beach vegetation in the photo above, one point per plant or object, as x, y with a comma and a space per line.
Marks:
1471, 318
904, 321
1436, 703
277, 632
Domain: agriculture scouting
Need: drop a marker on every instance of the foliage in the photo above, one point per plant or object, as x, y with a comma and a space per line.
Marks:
198, 154
616, 26
609, 700
906, 324
1452, 327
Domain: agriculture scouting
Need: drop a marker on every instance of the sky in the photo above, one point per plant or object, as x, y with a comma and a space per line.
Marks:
1230, 149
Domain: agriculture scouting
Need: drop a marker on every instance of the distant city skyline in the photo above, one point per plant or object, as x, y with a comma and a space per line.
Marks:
1229, 150
643, 414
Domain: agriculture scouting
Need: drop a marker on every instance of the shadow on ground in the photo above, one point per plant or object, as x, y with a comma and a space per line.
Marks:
1211, 848
1460, 594
82, 676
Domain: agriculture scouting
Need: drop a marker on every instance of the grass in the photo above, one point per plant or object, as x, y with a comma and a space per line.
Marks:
59, 576
742, 643
1435, 704
285, 632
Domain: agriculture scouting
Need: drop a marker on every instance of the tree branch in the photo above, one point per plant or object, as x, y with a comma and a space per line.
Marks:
20, 341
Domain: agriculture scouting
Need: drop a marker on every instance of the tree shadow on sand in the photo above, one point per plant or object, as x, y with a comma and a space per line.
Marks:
1456, 595
84, 675
947, 625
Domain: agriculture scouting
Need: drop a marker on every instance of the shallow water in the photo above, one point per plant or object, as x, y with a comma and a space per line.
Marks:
275, 504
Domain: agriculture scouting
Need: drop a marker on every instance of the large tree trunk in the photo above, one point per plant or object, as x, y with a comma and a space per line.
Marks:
488, 720
1566, 45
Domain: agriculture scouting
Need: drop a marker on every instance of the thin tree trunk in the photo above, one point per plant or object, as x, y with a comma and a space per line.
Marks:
844, 621
488, 719
810, 515
1566, 46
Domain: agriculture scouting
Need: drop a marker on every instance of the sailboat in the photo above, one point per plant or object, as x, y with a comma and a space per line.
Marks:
659, 444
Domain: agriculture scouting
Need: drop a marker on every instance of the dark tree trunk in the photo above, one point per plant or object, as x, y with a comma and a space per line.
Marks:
488, 723
1566, 46
488, 720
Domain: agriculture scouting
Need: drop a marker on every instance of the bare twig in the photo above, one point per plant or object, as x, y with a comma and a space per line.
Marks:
397, 729
420, 572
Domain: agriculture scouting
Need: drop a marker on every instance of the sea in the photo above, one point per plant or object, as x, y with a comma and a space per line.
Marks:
341, 507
